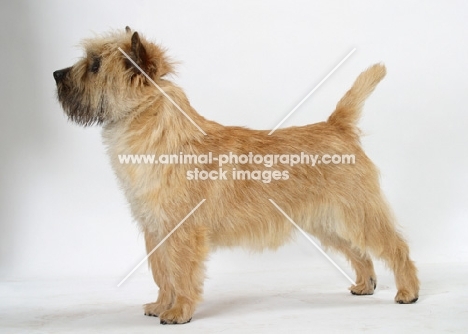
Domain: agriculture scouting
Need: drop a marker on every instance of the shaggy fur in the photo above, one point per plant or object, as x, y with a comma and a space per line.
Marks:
342, 205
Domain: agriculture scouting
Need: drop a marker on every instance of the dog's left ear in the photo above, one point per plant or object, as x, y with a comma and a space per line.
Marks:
138, 51
140, 56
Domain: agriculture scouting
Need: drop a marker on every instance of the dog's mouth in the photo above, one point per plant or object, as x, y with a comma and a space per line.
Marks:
82, 113
75, 103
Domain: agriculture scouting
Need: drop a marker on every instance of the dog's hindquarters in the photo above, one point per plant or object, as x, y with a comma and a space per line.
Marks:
377, 230
366, 226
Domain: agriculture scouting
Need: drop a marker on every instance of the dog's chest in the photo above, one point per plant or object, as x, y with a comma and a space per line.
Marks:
141, 181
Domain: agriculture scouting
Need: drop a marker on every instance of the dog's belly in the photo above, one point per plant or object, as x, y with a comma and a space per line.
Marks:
254, 238
267, 228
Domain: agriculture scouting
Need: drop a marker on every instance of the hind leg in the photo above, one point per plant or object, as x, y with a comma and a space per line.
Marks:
385, 242
366, 280
396, 255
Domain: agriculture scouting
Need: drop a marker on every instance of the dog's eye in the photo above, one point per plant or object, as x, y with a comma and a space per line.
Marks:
96, 64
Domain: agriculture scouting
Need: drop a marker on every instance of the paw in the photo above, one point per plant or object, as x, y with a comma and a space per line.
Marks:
364, 288
155, 309
175, 315
406, 297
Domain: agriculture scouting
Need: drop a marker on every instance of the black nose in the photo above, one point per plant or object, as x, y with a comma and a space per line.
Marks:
60, 74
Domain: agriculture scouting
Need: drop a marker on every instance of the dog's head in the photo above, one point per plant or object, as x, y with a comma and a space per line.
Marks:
105, 86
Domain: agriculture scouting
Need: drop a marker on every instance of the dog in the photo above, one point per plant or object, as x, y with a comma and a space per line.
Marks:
114, 86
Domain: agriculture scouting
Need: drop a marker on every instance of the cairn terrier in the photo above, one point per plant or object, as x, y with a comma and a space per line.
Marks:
340, 204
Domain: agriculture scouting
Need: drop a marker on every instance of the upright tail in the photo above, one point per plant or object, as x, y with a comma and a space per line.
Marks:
348, 109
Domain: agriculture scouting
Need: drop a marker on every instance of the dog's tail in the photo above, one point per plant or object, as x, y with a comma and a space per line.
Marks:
348, 109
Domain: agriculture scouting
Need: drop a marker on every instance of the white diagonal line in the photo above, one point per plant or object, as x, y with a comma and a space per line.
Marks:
161, 242
312, 241
313, 90
162, 92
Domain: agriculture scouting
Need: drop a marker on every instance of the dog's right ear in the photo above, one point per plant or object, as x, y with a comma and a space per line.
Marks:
128, 30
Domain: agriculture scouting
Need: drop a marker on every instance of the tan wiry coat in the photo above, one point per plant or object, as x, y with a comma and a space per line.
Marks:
341, 204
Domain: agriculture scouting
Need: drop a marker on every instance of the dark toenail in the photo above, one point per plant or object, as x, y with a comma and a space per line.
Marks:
373, 281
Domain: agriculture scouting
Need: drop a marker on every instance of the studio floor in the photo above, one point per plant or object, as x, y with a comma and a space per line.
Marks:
296, 300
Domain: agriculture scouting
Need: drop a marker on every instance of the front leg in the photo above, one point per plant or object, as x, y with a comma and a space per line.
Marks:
182, 258
160, 276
